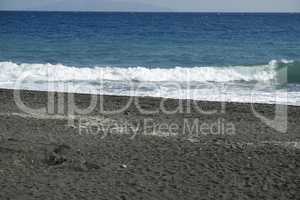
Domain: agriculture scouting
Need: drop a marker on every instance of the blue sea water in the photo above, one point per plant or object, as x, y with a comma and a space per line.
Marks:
235, 51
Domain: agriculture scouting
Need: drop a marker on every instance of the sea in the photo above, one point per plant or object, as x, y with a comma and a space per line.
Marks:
233, 57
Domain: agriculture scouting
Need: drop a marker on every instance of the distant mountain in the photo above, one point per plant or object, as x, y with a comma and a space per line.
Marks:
98, 5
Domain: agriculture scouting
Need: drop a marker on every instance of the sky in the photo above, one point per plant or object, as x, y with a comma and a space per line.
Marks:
155, 5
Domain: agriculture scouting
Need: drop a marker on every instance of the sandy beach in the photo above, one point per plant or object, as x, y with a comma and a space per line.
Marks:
55, 155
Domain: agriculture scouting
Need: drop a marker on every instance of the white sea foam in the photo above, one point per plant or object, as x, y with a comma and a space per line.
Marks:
231, 83
47, 72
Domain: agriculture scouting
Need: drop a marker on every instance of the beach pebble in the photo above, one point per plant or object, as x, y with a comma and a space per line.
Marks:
123, 166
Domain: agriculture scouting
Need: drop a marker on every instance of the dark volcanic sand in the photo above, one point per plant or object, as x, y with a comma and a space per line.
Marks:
44, 158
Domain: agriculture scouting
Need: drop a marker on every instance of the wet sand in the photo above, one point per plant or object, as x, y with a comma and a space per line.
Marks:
59, 155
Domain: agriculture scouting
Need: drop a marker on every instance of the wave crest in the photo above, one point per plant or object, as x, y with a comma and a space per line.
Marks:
48, 72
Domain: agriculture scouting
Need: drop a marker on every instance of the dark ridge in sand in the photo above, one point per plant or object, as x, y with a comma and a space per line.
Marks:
44, 158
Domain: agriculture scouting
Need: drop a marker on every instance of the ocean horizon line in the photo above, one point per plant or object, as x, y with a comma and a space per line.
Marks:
183, 12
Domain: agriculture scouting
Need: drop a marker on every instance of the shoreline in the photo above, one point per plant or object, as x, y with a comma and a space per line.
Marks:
151, 97
48, 157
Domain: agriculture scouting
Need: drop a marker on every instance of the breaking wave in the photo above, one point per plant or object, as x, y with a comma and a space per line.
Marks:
11, 71
230, 83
